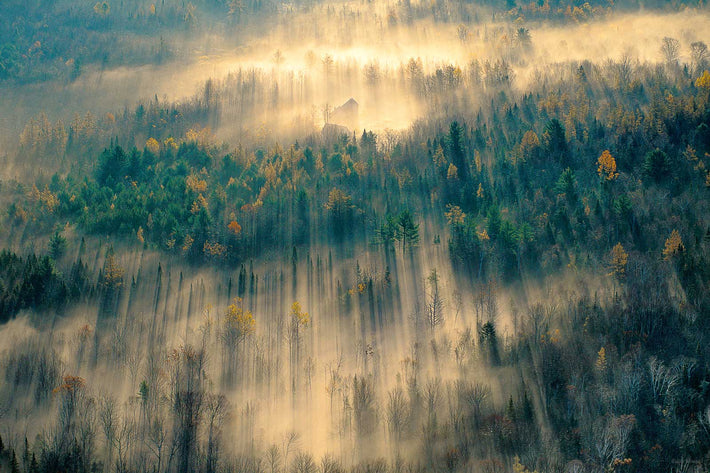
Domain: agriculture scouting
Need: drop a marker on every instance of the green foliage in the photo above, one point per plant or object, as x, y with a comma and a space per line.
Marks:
488, 339
567, 185
457, 153
554, 141
33, 282
526, 211
657, 166
407, 230
57, 246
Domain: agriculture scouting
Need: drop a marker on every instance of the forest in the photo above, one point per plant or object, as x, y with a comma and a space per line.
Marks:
354, 236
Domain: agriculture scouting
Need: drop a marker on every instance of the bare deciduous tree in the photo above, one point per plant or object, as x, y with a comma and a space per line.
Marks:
398, 414
670, 49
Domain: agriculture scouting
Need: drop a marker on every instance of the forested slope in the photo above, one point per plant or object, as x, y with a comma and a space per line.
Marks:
517, 281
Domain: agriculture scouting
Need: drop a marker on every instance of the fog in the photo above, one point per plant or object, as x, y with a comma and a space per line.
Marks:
321, 57
345, 348
270, 397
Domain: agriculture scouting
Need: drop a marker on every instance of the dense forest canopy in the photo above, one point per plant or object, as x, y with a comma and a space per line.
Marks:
354, 236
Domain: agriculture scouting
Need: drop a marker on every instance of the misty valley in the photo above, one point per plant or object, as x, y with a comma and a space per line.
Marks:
365, 236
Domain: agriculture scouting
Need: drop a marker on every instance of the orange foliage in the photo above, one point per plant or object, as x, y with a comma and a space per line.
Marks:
674, 245
607, 166
234, 227
70, 384
85, 332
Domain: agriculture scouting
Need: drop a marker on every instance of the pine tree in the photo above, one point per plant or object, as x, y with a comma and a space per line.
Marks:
528, 413
34, 466
510, 410
407, 230
14, 465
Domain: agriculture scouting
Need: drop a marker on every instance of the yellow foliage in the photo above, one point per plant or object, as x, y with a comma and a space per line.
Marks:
199, 204
187, 243
152, 145
139, 235
519, 467
477, 160
359, 289
529, 144
19, 215
438, 158
202, 136
453, 172
454, 215
299, 317
238, 322
102, 8
112, 272
195, 184
607, 166
601, 360
270, 172
483, 236
619, 258
618, 462
214, 249
674, 245
45, 198
703, 82
479, 192
338, 201
170, 143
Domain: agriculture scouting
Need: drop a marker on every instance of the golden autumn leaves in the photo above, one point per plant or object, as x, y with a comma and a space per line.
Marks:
239, 322
674, 246
619, 257
606, 166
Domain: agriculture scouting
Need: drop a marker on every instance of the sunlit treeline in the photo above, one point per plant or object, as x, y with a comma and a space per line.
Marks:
494, 259
325, 355
323, 362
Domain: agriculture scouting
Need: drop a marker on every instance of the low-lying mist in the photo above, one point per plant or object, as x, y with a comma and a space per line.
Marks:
322, 354
317, 59
249, 281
